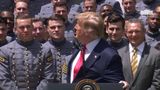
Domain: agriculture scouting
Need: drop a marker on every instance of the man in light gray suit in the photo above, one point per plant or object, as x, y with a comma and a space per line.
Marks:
141, 68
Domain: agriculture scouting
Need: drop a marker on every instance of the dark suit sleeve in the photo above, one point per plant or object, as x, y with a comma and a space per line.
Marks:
48, 73
6, 83
156, 77
113, 72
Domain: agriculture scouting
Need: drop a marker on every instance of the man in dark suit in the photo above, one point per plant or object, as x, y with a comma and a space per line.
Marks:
100, 63
141, 68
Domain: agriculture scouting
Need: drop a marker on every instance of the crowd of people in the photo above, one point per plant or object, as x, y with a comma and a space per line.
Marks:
103, 40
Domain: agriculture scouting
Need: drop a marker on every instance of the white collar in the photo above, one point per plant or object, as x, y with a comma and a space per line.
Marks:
91, 45
140, 47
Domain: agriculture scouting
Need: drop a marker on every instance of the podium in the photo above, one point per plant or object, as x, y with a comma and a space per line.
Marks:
102, 86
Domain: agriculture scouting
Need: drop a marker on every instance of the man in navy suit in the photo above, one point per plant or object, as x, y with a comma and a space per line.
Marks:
100, 63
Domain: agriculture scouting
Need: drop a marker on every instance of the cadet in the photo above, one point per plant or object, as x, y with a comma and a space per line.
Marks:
153, 34
59, 46
4, 39
21, 7
62, 9
39, 30
9, 17
24, 65
130, 9
47, 9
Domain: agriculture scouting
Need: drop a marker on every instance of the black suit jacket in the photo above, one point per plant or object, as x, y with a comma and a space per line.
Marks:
103, 65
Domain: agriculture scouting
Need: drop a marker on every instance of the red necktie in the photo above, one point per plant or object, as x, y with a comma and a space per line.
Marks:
79, 62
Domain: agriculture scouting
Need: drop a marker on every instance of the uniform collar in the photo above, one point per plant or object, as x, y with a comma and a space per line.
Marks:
28, 43
57, 43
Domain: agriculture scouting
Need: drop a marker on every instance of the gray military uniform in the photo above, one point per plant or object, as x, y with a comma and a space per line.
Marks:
24, 66
61, 51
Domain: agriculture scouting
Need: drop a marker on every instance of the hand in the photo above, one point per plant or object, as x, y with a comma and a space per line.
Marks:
125, 84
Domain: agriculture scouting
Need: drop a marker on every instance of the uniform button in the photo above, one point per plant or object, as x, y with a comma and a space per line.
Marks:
27, 75
13, 69
40, 63
28, 87
39, 76
27, 81
40, 69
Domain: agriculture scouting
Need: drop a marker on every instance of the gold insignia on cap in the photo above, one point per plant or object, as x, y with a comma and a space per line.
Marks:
2, 59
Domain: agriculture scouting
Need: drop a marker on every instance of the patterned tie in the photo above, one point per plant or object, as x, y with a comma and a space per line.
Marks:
134, 62
79, 62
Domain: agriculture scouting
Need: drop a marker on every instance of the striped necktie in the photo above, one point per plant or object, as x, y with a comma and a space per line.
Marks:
134, 62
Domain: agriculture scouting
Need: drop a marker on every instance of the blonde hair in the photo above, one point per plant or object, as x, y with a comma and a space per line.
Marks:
91, 21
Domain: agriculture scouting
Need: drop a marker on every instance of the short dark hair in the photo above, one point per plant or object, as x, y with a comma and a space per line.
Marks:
55, 17
115, 17
37, 20
135, 20
21, 16
61, 4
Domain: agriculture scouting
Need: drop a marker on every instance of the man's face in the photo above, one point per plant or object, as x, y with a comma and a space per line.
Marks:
89, 6
129, 6
158, 13
38, 30
3, 32
153, 21
8, 16
56, 29
158, 10
135, 34
24, 29
79, 33
115, 31
21, 7
62, 11
106, 10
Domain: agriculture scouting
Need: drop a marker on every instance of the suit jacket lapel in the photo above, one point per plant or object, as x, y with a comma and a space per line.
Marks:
127, 64
93, 57
143, 60
70, 64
